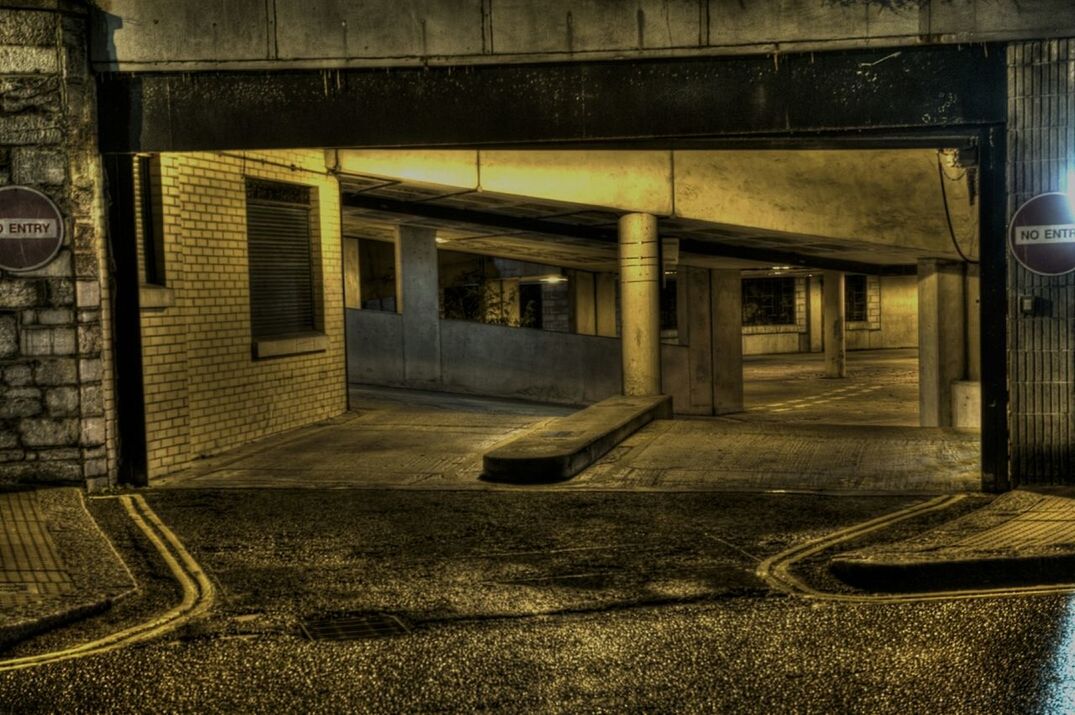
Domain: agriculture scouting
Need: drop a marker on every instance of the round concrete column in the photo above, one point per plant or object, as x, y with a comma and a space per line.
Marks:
640, 316
833, 320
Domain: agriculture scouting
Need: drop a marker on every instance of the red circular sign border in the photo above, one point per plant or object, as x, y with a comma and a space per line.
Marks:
62, 226
1011, 226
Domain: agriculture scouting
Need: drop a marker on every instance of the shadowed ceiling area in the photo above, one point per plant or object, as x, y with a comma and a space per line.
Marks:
858, 210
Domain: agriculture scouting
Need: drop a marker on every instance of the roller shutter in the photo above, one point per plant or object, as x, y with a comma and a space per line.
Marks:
281, 280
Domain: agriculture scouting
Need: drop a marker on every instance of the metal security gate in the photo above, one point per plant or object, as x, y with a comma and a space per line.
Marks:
281, 279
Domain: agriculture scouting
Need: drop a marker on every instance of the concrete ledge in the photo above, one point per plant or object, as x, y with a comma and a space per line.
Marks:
152, 297
967, 404
283, 345
570, 444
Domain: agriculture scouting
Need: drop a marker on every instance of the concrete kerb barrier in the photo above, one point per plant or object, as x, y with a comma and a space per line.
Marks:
567, 445
1020, 539
953, 574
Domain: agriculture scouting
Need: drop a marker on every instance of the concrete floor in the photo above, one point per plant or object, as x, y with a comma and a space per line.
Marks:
881, 388
801, 433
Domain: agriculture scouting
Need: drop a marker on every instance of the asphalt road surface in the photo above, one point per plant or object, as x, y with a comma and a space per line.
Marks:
537, 602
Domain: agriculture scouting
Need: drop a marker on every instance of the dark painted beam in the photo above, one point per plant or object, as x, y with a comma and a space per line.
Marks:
920, 88
993, 310
127, 326
790, 258
503, 222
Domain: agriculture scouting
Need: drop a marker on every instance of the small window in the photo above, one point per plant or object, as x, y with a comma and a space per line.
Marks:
149, 219
531, 305
377, 274
669, 317
769, 301
281, 277
855, 301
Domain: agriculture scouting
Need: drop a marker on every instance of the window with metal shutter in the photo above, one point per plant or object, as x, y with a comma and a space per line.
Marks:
281, 280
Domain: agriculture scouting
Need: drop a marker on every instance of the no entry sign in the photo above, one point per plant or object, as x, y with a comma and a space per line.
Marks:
1042, 235
31, 228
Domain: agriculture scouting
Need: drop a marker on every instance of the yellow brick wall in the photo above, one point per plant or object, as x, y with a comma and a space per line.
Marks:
204, 391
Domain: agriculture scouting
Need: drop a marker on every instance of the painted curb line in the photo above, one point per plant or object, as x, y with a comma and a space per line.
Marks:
198, 594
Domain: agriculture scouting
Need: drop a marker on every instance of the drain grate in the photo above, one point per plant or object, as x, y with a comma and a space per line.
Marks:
353, 627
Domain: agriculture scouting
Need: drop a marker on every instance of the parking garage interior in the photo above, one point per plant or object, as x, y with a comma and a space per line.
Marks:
528, 302
827, 289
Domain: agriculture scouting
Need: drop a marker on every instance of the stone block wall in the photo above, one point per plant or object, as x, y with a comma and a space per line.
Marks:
56, 394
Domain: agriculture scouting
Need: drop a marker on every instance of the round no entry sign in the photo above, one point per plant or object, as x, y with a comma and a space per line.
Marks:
31, 228
1042, 235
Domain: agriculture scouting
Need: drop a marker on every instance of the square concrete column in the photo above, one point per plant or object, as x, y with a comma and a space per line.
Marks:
417, 299
583, 299
814, 313
942, 356
972, 314
834, 325
640, 275
694, 311
605, 304
726, 309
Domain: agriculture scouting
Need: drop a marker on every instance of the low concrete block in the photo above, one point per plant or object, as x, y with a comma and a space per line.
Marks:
967, 405
570, 444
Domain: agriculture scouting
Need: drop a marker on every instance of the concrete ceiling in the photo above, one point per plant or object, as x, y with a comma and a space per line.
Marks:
732, 209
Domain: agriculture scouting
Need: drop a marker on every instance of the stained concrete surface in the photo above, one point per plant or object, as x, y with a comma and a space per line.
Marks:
800, 432
881, 388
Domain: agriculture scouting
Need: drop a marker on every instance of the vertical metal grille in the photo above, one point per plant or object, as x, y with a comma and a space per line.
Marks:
281, 281
1041, 137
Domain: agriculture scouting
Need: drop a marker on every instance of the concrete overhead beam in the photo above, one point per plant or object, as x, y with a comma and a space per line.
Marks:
872, 197
148, 35
635, 181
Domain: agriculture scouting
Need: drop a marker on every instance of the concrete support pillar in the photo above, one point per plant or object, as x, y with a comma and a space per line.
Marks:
971, 292
726, 309
605, 304
695, 308
942, 358
417, 300
640, 275
583, 303
833, 321
814, 313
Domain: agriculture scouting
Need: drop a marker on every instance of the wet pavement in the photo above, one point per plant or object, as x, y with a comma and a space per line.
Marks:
542, 602
634, 587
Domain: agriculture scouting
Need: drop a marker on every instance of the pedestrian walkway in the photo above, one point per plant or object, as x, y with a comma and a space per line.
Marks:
55, 563
1023, 536
29, 565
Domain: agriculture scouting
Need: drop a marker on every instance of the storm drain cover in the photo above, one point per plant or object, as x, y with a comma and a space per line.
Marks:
353, 627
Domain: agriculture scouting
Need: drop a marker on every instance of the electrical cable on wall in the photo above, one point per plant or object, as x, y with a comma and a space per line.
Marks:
948, 214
